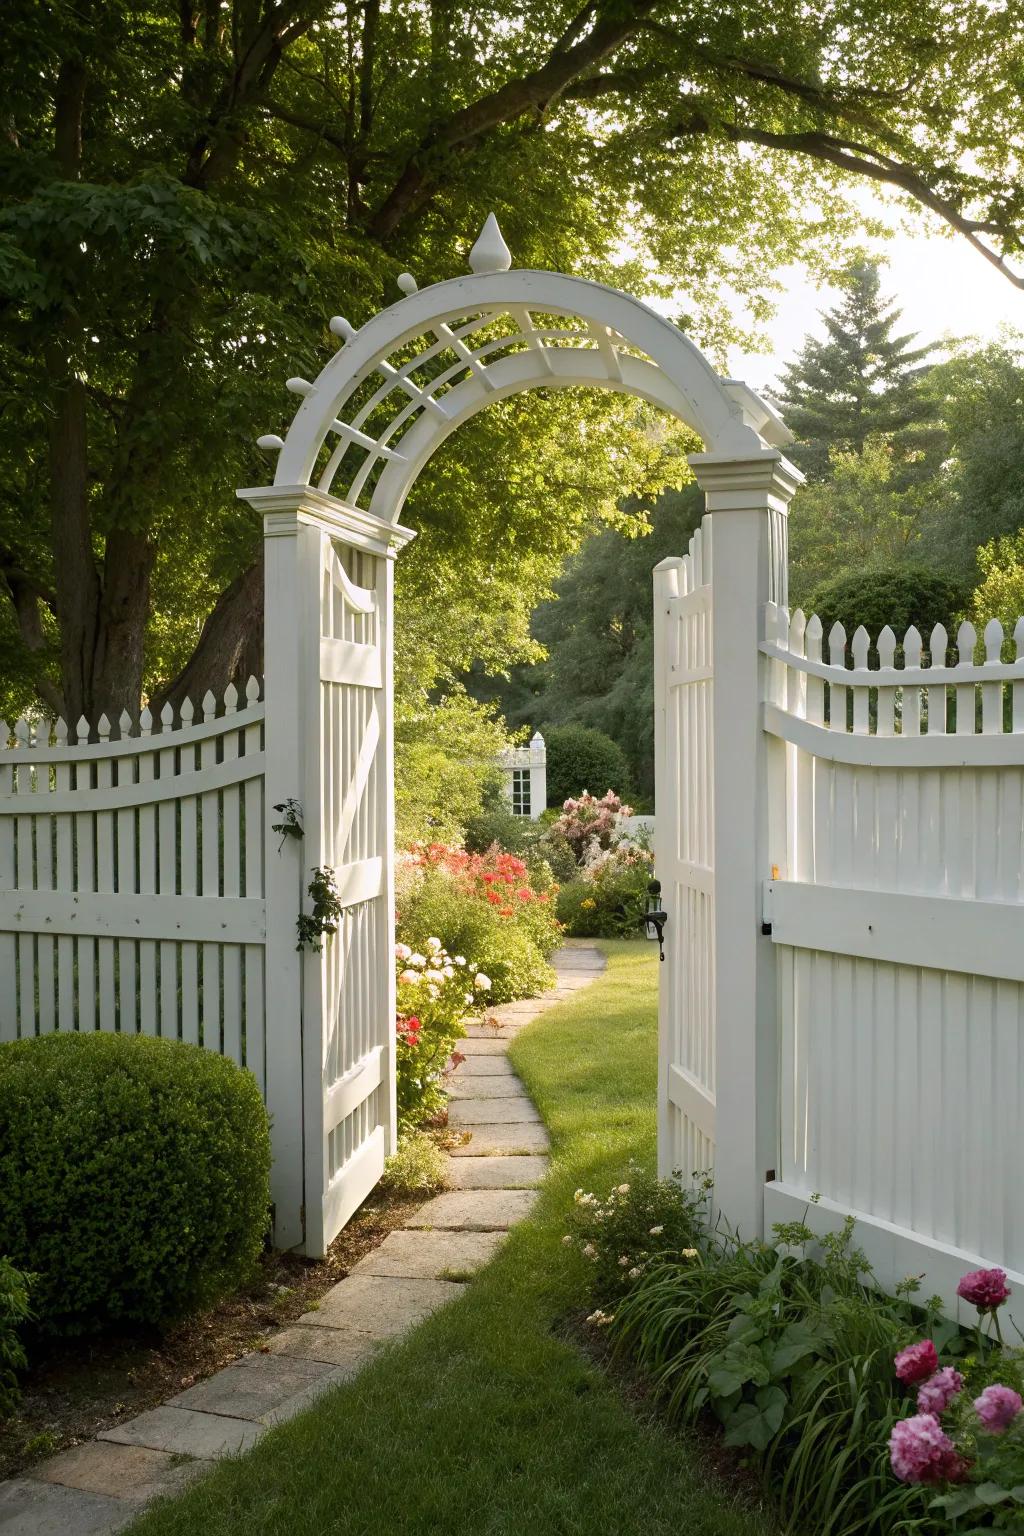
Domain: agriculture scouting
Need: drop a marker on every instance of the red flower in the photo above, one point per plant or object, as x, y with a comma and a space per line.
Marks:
917, 1362
493, 898
985, 1289
505, 912
524, 893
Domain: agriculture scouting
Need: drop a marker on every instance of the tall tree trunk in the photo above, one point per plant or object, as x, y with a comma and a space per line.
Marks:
77, 580
124, 610
230, 648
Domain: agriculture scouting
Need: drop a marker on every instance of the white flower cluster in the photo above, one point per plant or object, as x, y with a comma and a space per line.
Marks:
435, 968
601, 1319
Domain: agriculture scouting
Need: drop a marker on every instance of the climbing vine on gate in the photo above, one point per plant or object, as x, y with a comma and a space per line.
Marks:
326, 914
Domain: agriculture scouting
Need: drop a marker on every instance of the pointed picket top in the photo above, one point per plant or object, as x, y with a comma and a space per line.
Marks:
230, 699
299, 386
812, 635
938, 643
1018, 637
103, 728
912, 644
82, 729
407, 283
966, 640
887, 647
252, 691
209, 705
146, 722
5, 735
186, 710
797, 632
124, 724
993, 640
167, 716
270, 440
22, 731
339, 326
837, 645
60, 731
490, 253
860, 645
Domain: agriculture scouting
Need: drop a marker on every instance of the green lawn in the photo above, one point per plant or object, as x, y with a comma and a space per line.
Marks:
487, 1420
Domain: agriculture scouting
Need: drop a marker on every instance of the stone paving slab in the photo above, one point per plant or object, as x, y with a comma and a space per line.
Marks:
254, 1387
430, 1255
480, 1111
474, 1210
31, 1508
483, 1065
381, 1306
568, 959
496, 1172
186, 1432
480, 1087
486, 1044
131, 1472
349, 1351
503, 1141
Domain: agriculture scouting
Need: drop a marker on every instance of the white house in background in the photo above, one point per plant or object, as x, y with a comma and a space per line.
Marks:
526, 777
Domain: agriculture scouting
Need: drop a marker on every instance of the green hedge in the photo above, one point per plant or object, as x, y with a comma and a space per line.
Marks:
134, 1175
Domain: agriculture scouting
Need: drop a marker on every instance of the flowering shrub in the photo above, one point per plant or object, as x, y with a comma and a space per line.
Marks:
436, 992
977, 1456
638, 1221
589, 823
610, 896
484, 905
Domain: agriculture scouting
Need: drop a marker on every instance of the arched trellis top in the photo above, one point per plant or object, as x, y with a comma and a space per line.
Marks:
407, 378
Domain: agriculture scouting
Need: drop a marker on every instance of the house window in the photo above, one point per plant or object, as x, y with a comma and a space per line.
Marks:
520, 791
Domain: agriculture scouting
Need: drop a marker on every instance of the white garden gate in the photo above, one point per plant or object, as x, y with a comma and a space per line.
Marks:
842, 855
142, 886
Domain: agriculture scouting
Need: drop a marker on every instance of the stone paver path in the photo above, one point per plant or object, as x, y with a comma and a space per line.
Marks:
99, 1486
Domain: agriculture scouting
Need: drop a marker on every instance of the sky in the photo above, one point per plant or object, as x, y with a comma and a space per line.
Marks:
942, 285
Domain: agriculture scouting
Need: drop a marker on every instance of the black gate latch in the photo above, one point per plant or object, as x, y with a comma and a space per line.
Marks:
655, 917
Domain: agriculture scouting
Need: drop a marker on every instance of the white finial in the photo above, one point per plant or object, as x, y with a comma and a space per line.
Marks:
490, 254
270, 440
342, 327
299, 386
406, 282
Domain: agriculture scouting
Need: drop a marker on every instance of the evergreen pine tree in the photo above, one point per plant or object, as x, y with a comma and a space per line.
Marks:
862, 381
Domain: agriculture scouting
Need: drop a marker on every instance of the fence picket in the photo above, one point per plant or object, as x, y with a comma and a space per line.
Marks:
63, 880
937, 644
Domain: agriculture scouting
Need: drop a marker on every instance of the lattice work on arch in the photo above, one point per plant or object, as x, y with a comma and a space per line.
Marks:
385, 399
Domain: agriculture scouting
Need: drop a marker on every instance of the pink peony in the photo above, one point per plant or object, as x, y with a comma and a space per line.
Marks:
935, 1395
985, 1289
917, 1362
998, 1407
921, 1452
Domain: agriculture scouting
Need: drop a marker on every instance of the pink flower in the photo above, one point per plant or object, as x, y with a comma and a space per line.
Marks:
917, 1362
935, 1395
985, 1289
998, 1407
921, 1452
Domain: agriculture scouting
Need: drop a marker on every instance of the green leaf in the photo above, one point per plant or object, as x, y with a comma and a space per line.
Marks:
991, 1493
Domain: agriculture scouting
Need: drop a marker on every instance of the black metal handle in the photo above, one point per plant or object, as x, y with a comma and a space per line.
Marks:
655, 917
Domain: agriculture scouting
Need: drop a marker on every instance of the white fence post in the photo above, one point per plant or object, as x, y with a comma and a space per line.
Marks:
748, 501
291, 566
331, 1017
538, 775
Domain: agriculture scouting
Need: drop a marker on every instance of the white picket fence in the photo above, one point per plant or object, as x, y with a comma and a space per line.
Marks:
110, 851
898, 913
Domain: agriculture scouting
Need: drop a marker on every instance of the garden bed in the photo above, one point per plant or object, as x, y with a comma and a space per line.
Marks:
75, 1389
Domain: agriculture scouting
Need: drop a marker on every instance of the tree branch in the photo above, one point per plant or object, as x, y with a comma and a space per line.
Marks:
533, 92
859, 160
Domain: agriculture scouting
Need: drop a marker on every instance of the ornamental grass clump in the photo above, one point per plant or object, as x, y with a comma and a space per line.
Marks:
134, 1177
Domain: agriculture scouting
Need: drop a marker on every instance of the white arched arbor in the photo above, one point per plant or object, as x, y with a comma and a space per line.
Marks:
396, 389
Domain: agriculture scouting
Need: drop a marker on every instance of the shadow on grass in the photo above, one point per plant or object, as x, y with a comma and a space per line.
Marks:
484, 1420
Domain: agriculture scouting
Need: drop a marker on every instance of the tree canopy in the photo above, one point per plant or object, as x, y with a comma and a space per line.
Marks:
190, 191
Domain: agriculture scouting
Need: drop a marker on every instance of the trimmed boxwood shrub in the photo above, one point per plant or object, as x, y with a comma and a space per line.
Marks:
580, 758
134, 1177
895, 595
